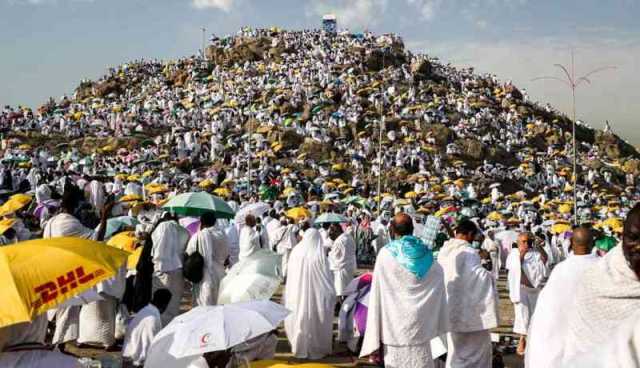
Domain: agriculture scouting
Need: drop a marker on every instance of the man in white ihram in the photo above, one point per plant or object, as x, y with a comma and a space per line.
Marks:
407, 301
527, 269
342, 258
472, 299
213, 246
169, 243
549, 325
310, 297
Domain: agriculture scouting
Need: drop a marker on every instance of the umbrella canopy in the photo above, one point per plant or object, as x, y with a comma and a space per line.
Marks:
115, 224
192, 224
256, 278
560, 228
33, 284
15, 203
213, 328
299, 213
256, 209
331, 218
197, 203
128, 241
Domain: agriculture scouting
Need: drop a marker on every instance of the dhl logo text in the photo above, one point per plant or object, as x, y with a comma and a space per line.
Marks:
64, 284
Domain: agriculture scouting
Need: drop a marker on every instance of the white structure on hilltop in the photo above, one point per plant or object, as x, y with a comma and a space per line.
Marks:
330, 23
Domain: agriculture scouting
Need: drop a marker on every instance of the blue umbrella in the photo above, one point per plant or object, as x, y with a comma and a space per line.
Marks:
116, 223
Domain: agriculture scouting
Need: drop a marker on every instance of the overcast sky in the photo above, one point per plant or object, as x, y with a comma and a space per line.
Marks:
48, 46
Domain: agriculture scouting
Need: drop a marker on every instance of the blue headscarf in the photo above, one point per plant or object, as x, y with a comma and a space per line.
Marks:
412, 254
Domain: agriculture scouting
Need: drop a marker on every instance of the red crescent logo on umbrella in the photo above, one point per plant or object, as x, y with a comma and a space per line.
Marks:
205, 339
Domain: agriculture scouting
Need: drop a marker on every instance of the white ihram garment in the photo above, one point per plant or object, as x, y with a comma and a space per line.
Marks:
213, 246
405, 313
549, 324
140, 333
608, 294
310, 296
524, 298
169, 243
342, 261
250, 242
473, 305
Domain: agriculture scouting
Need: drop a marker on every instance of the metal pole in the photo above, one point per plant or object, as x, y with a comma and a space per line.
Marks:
572, 82
575, 151
249, 158
204, 32
380, 164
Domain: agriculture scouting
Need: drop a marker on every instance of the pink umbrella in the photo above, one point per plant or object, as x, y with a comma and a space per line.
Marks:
192, 224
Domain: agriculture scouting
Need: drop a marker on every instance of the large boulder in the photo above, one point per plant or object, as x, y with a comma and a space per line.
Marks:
421, 69
440, 133
471, 148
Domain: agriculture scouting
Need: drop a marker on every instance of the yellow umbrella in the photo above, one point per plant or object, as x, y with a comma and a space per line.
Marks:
494, 216
38, 275
560, 228
299, 213
206, 183
147, 173
613, 223
6, 224
155, 188
222, 192
337, 167
127, 241
131, 198
24, 147
411, 195
564, 208
15, 203
288, 191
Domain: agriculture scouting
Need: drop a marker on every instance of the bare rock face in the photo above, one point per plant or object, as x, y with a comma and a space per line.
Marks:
472, 148
632, 167
421, 69
607, 144
441, 134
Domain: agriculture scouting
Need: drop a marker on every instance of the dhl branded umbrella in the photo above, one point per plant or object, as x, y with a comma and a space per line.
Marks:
299, 213
15, 203
40, 274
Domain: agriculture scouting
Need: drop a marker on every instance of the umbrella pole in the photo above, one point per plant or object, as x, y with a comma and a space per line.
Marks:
380, 165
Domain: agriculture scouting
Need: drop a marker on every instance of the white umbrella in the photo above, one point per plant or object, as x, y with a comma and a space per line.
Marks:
256, 278
256, 209
213, 328
494, 185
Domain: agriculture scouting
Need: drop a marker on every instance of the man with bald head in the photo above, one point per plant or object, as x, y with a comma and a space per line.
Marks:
527, 266
407, 301
548, 328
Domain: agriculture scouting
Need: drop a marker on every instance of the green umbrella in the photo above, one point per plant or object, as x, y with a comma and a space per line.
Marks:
196, 203
331, 218
606, 243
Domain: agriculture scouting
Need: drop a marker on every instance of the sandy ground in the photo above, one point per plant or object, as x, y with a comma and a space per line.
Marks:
341, 356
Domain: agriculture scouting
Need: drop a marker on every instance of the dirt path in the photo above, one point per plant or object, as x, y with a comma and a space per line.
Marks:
341, 356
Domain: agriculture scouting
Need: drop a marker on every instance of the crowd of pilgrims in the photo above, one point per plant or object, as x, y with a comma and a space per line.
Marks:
438, 239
